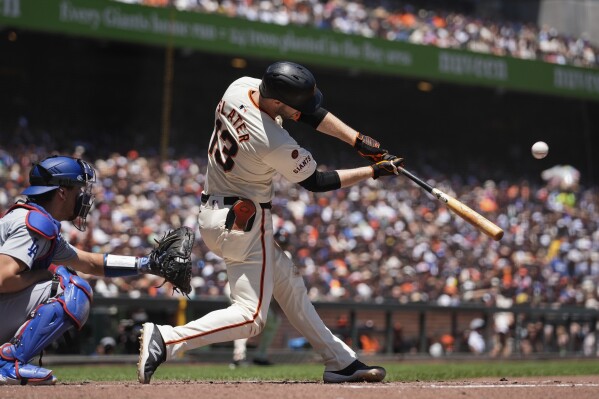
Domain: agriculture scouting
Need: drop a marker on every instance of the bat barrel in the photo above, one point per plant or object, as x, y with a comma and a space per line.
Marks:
463, 211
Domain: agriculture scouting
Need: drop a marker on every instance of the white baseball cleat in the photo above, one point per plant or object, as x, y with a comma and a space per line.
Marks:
355, 372
152, 352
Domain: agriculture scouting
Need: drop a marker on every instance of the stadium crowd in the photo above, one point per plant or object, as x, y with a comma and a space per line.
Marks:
403, 21
373, 242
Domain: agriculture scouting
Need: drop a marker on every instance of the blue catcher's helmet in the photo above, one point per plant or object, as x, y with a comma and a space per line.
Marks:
62, 171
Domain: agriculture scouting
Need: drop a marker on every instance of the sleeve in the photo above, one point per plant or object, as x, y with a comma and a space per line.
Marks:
26, 246
295, 163
64, 251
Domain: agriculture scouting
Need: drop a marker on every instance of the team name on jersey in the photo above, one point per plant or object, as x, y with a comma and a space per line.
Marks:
231, 114
302, 164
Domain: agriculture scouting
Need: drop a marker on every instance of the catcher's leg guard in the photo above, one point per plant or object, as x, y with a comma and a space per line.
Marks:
49, 321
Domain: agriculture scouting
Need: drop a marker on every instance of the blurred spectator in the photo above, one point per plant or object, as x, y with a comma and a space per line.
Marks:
369, 343
563, 338
448, 343
476, 340
106, 346
503, 324
441, 345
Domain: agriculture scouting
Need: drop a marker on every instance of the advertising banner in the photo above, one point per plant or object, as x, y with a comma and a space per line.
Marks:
238, 37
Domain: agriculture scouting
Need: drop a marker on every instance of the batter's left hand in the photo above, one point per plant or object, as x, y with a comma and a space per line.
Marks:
387, 167
369, 148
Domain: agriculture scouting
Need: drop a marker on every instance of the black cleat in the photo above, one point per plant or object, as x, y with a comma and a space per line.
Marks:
152, 352
355, 372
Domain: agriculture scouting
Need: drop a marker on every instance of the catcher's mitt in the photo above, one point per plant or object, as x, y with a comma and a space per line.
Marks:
171, 259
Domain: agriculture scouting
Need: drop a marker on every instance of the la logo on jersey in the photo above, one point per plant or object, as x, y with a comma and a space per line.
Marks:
32, 250
11, 8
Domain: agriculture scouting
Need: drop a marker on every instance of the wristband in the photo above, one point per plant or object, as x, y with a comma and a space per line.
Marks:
376, 171
123, 266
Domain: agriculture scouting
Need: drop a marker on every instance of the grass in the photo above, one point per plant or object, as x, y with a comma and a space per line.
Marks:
404, 371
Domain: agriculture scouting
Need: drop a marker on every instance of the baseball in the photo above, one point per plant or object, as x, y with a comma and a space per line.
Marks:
540, 149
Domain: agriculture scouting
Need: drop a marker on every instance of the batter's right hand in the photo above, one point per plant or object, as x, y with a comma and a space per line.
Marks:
369, 148
387, 167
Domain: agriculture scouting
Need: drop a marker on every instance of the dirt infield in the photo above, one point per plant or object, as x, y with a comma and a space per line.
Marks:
579, 387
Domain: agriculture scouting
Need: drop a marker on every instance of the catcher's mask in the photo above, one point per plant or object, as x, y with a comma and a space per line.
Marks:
293, 85
61, 171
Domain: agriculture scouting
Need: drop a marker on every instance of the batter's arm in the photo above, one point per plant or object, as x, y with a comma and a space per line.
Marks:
367, 147
332, 180
335, 127
14, 276
350, 177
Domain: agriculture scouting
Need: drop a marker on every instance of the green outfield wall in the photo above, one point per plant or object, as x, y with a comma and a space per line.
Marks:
236, 37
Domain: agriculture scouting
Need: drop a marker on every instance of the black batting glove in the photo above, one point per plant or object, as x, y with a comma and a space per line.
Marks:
369, 148
387, 168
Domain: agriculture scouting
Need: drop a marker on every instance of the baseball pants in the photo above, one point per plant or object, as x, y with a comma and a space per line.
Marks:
257, 269
16, 307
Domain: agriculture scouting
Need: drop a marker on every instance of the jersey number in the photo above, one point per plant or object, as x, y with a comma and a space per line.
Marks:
225, 156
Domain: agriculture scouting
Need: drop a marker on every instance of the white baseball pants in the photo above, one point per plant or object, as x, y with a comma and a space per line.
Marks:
257, 269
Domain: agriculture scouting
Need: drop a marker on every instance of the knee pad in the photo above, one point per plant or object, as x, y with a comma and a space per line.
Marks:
76, 297
51, 319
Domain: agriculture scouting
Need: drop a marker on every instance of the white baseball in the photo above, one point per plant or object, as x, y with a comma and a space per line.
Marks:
540, 149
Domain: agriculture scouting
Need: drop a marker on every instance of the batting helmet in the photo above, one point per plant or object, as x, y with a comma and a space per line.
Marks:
293, 85
56, 171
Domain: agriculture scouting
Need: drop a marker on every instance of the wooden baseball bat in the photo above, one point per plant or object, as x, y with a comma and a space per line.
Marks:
463, 211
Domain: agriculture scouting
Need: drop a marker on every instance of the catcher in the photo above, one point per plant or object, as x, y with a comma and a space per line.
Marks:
39, 300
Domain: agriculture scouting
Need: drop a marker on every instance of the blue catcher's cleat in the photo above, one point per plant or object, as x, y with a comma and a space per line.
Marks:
15, 373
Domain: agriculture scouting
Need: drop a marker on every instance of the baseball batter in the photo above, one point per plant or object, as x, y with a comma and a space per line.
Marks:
248, 146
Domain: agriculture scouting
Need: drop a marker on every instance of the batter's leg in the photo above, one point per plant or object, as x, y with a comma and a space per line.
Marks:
268, 335
251, 291
250, 296
290, 293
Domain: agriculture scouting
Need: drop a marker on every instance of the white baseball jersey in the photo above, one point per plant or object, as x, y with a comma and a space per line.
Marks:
248, 147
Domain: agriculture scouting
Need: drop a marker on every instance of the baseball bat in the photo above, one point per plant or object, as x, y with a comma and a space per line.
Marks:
463, 211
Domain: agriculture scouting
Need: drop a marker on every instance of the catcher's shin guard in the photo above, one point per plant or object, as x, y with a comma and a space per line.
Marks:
51, 319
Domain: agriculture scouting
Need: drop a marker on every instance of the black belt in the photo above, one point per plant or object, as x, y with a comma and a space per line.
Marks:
233, 200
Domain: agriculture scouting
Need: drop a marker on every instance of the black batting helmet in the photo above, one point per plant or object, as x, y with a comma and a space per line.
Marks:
293, 85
